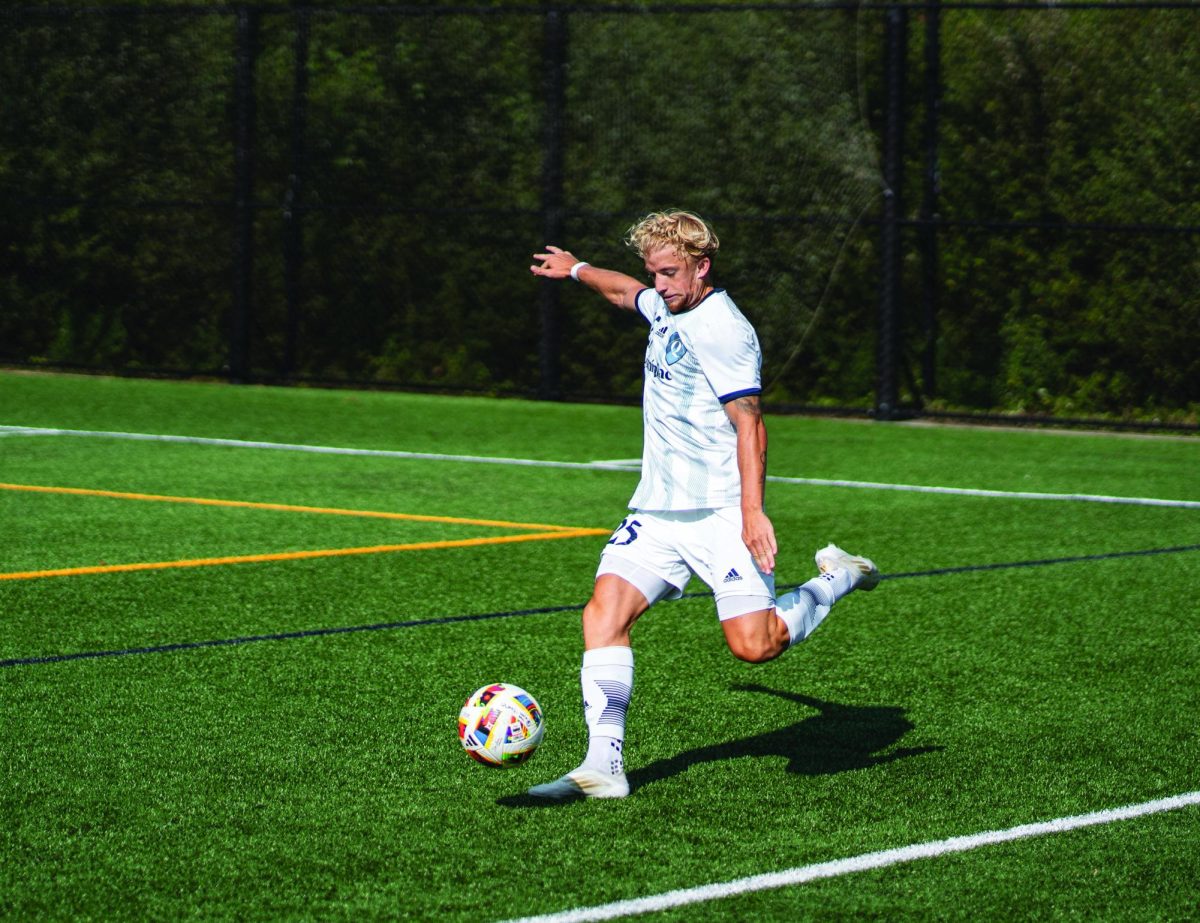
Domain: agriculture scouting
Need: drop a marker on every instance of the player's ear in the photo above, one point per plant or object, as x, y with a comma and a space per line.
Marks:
703, 267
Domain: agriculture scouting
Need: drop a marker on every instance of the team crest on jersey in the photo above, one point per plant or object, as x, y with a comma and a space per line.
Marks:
675, 349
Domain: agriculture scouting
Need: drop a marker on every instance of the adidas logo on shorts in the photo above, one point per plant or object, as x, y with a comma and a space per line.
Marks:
732, 576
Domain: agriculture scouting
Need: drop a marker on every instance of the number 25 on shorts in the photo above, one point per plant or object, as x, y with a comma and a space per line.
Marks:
626, 532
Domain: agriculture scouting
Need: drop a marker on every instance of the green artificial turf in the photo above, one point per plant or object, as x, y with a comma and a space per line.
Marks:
264, 741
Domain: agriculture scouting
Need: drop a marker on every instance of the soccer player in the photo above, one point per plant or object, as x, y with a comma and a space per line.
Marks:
699, 506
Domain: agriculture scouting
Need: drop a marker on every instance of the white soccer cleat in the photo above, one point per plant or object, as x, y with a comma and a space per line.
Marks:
831, 558
585, 783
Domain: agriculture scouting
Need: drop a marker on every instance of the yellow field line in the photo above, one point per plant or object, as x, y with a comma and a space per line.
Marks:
289, 508
298, 555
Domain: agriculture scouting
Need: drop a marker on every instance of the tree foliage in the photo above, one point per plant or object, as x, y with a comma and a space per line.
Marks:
399, 187
1061, 118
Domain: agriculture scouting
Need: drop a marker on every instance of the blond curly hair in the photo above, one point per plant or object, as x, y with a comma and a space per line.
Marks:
687, 234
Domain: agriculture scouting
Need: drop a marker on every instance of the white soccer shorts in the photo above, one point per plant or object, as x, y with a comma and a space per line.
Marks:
658, 552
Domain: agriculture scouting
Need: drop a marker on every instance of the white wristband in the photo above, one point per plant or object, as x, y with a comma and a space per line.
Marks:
575, 269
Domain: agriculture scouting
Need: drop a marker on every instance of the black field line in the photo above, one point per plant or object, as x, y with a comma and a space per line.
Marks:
1178, 549
544, 610
287, 636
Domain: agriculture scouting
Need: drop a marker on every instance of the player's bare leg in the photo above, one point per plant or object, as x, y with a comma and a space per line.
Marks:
606, 679
609, 615
756, 637
760, 636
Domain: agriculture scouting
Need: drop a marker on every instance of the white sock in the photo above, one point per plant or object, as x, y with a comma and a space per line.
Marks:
805, 607
607, 682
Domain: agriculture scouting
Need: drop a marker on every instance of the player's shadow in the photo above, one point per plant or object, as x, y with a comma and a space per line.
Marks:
838, 738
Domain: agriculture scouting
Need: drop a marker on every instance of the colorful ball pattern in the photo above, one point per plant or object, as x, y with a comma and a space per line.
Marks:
501, 725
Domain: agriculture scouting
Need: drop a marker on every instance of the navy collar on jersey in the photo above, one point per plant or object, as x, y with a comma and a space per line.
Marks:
709, 294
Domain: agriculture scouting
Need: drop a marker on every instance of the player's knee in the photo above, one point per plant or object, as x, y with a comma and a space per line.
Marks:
603, 625
755, 650
595, 613
756, 637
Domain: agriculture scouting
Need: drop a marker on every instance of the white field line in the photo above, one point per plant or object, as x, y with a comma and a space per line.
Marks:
979, 492
316, 449
861, 863
613, 465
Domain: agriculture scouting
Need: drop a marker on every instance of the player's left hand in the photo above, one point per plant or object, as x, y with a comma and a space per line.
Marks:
759, 535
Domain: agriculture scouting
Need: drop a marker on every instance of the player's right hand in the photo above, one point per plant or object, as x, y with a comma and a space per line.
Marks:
555, 263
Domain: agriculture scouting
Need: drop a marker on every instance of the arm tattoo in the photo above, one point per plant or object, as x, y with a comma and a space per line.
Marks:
749, 404
750, 407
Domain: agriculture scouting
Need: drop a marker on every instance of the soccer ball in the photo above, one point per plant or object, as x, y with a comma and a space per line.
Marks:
501, 725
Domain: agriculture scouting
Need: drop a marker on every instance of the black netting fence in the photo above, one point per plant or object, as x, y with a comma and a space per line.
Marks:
924, 208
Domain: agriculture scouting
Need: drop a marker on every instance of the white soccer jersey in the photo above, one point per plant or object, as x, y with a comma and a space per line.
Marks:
695, 361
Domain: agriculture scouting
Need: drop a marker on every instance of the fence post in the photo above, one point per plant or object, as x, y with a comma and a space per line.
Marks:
895, 39
554, 61
243, 159
929, 198
293, 240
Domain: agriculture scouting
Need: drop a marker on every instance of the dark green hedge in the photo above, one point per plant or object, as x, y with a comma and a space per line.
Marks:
413, 186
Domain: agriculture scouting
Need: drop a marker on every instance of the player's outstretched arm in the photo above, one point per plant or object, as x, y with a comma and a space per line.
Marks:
617, 287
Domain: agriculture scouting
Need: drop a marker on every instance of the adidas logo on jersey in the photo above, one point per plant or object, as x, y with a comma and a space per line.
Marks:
732, 576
